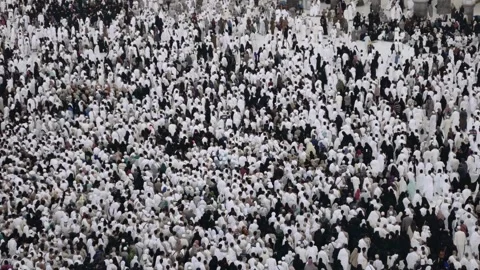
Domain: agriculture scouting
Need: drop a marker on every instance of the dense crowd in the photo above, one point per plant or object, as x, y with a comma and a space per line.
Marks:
237, 135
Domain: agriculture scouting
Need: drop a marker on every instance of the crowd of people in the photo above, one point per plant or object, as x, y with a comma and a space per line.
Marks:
204, 135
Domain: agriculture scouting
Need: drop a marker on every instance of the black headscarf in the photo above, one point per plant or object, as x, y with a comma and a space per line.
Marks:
213, 264
297, 263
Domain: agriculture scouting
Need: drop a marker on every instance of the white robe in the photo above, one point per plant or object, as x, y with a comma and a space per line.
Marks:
343, 257
459, 240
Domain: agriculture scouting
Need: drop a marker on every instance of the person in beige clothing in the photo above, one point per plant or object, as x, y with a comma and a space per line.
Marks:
354, 259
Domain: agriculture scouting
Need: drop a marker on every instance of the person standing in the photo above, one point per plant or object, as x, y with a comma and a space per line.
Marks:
459, 240
310, 265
